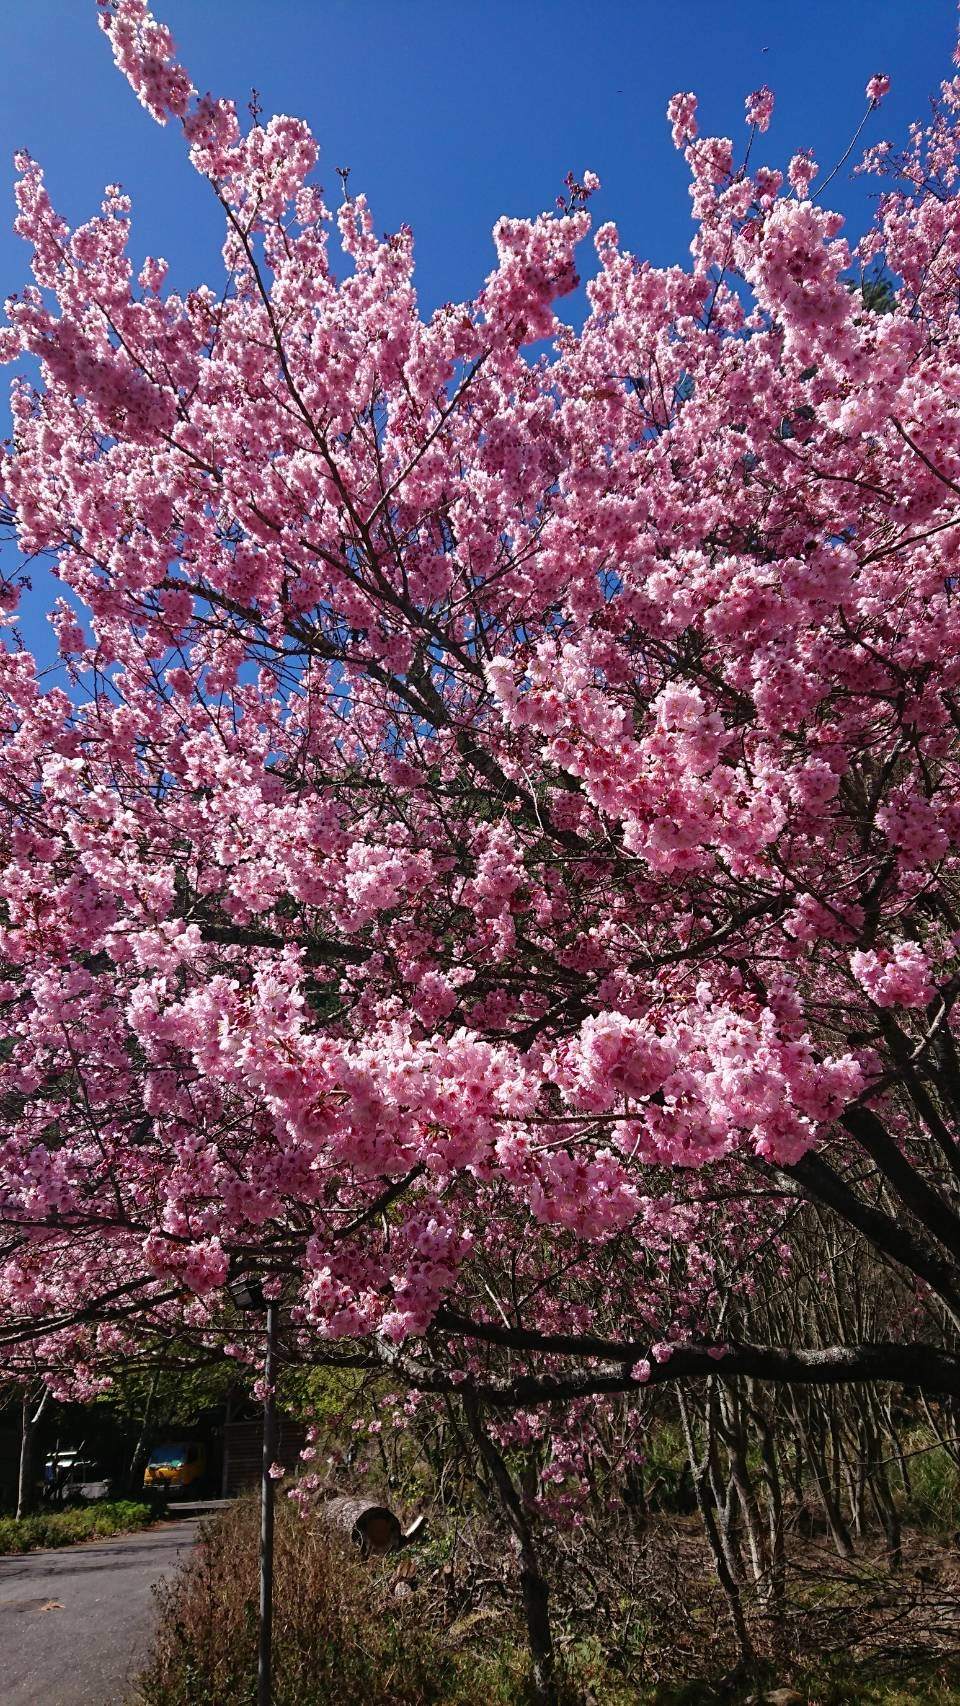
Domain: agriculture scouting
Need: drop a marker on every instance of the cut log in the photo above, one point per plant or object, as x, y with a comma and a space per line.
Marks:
374, 1528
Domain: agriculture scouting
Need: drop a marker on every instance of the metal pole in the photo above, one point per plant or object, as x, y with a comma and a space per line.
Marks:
264, 1654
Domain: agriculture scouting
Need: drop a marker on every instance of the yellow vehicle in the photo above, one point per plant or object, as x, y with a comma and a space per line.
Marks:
177, 1468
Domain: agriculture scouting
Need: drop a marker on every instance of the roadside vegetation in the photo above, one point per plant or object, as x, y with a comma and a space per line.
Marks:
340, 1632
67, 1527
639, 1616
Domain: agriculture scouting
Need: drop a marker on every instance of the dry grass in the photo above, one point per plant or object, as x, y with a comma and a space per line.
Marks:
340, 1635
638, 1623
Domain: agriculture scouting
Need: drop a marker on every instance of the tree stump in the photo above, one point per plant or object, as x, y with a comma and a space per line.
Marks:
373, 1528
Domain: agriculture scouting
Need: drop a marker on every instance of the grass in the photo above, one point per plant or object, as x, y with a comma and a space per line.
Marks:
340, 1634
825, 1686
934, 1502
67, 1527
931, 1685
934, 1684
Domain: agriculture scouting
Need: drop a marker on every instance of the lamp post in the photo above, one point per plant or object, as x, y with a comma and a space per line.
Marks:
247, 1294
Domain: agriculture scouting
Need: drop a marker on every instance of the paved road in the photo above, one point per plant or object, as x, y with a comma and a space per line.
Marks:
75, 1624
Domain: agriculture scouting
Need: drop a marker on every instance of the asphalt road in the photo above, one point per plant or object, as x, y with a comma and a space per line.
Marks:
75, 1624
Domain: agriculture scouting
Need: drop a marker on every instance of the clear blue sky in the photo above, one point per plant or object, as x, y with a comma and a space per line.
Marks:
450, 114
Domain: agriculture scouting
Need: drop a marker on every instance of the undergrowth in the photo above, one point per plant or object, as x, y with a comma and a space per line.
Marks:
66, 1527
349, 1632
339, 1633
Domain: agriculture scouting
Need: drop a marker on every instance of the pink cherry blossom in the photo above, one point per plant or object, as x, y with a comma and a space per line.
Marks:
898, 977
493, 831
759, 107
682, 113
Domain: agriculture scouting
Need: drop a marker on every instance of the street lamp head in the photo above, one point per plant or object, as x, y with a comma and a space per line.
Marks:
247, 1292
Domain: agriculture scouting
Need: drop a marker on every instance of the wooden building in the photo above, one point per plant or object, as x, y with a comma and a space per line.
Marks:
242, 1451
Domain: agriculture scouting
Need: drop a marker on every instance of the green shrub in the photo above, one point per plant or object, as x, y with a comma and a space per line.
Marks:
66, 1527
934, 1502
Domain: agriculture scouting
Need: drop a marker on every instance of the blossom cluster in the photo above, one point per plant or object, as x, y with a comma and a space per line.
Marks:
486, 791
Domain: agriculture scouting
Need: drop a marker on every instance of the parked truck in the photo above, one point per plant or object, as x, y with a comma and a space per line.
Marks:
177, 1468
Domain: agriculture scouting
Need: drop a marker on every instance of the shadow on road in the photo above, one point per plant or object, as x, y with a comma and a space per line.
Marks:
75, 1624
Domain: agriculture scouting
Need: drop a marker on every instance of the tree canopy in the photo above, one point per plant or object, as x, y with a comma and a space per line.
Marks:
492, 867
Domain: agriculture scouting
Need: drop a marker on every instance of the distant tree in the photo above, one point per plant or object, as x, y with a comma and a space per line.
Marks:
33, 1402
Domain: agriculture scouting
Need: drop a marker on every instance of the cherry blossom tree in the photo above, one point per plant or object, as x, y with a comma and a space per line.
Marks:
489, 861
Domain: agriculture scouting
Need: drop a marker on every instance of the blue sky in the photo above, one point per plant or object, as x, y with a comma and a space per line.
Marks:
450, 114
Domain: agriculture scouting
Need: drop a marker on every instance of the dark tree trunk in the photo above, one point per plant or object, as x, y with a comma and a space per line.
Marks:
700, 1469
821, 1479
138, 1461
534, 1590
28, 1428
